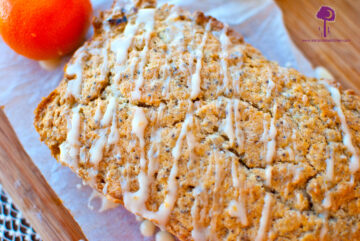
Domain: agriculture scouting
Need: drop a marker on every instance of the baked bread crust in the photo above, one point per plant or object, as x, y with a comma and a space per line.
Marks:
174, 116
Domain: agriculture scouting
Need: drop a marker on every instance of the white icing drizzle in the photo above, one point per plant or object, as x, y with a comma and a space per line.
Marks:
174, 13
268, 174
291, 153
325, 227
69, 149
272, 135
323, 73
175, 43
147, 228
120, 45
139, 124
198, 233
75, 68
232, 112
106, 203
265, 218
264, 135
191, 142
82, 155
105, 188
176, 152
297, 174
294, 145
327, 201
217, 197
354, 164
305, 99
164, 236
330, 167
165, 90
147, 17
91, 181
270, 87
201, 231
238, 208
135, 201
98, 113
195, 233
50, 64
299, 198
229, 129
96, 150
195, 78
354, 160
170, 198
114, 133
104, 53
155, 139
110, 109
239, 133
324, 230
225, 42
271, 146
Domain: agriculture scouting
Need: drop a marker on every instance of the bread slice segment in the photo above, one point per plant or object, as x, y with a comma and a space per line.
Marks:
176, 117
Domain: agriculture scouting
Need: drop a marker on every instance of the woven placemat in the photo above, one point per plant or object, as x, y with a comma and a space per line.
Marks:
13, 226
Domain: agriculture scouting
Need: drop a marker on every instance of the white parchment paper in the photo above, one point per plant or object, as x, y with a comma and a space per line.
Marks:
23, 83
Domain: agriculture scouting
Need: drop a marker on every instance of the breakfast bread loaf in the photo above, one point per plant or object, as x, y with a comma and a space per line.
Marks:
174, 116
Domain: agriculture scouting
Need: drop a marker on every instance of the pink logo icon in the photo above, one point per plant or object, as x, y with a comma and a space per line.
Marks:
326, 14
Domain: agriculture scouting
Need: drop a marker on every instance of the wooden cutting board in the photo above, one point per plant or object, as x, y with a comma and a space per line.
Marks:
39, 203
30, 192
342, 59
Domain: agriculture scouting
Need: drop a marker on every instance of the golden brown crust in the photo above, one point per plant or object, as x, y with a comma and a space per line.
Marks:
309, 131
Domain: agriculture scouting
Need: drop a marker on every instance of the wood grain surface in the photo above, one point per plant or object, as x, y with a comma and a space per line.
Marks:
342, 59
30, 192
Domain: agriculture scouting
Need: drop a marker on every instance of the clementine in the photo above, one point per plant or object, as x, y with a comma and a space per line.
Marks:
44, 29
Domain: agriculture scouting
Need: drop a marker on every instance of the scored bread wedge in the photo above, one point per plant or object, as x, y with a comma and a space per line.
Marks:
178, 119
